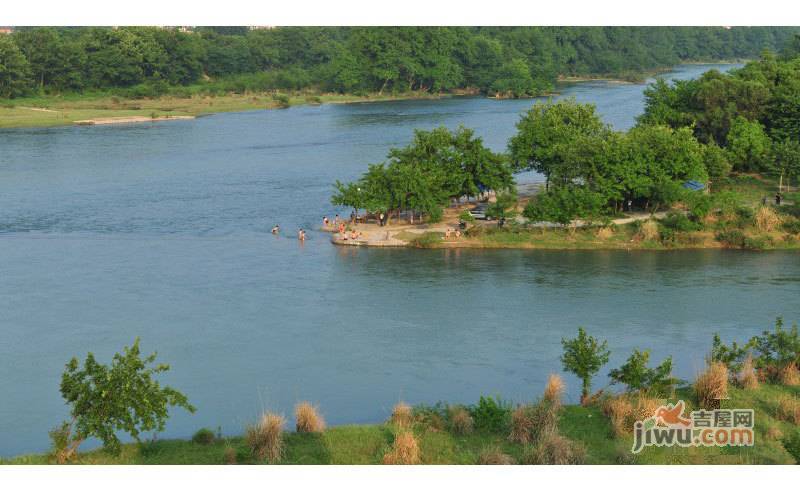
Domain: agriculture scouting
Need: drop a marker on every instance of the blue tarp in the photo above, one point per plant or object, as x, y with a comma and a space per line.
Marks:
694, 185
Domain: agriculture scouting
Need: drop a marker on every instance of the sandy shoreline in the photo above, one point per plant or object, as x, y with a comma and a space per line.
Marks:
131, 119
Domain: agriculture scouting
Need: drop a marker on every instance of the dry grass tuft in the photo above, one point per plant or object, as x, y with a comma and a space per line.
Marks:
554, 389
402, 415
789, 375
461, 422
774, 433
523, 422
265, 438
747, 377
645, 408
405, 450
605, 232
493, 455
766, 219
555, 449
308, 418
229, 456
617, 410
712, 385
788, 410
649, 230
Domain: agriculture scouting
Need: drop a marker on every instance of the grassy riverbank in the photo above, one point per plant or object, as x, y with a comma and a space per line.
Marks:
588, 427
50, 111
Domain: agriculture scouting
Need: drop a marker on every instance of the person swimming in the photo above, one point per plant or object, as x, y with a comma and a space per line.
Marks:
276, 228
301, 235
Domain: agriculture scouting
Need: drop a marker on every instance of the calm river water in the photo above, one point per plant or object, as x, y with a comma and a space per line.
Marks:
162, 231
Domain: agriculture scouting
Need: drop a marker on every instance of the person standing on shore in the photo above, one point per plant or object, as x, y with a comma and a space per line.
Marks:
380, 219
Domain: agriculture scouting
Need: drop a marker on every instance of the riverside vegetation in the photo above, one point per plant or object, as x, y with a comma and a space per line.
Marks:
736, 134
51, 76
761, 374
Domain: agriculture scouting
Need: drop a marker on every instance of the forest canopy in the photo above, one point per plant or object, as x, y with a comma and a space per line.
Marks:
509, 61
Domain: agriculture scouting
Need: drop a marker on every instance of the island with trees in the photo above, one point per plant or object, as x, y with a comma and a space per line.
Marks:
52, 76
712, 162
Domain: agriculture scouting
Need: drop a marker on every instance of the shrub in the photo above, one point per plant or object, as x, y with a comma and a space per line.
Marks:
645, 408
792, 226
60, 439
282, 100
203, 436
432, 417
712, 385
759, 243
777, 349
677, 221
405, 450
401, 415
555, 449
229, 455
461, 422
493, 455
789, 375
617, 410
766, 219
792, 444
747, 377
308, 418
491, 414
584, 356
733, 238
554, 389
788, 410
637, 376
523, 422
648, 230
465, 216
265, 438
531, 423
732, 356
774, 432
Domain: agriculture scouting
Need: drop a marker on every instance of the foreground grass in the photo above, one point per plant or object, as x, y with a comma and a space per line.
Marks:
49, 111
366, 444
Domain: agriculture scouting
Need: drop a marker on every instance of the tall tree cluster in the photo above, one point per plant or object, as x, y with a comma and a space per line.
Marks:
508, 61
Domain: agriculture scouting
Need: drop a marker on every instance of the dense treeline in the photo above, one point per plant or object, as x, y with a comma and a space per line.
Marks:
509, 61
753, 112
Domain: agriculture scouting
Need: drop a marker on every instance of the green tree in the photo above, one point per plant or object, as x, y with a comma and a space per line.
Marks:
514, 78
545, 129
785, 162
637, 376
748, 145
123, 396
14, 69
563, 205
779, 348
584, 356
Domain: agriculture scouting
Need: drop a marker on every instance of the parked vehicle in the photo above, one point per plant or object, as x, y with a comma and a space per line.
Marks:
479, 212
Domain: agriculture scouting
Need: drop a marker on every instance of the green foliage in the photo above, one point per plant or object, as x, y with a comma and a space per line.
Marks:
637, 376
679, 222
562, 205
503, 205
732, 356
748, 145
584, 356
281, 99
792, 444
491, 414
422, 177
733, 238
14, 69
465, 216
513, 61
779, 348
123, 396
204, 436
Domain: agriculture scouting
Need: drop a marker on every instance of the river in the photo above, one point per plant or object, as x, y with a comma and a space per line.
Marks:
161, 231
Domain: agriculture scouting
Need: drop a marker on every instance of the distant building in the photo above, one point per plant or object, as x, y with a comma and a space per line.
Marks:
251, 28
6, 30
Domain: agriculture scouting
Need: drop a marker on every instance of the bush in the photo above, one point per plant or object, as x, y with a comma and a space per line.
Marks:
679, 222
461, 422
282, 100
555, 449
432, 417
777, 349
554, 389
648, 230
792, 444
712, 385
747, 378
229, 455
617, 410
788, 410
60, 439
405, 450
203, 436
265, 438
637, 376
733, 238
465, 216
493, 455
766, 219
792, 226
491, 414
401, 415
308, 418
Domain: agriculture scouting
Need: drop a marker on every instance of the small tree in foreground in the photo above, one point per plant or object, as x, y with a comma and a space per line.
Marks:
106, 399
637, 376
584, 356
